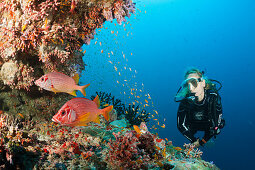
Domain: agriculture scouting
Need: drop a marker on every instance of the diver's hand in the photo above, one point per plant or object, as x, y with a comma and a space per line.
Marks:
196, 143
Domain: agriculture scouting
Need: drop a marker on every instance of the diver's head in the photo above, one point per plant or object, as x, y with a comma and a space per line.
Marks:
195, 83
194, 86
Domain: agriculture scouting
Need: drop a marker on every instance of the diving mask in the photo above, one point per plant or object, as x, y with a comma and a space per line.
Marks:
184, 90
191, 81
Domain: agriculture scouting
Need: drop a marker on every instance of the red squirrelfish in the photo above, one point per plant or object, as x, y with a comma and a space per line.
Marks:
59, 82
81, 111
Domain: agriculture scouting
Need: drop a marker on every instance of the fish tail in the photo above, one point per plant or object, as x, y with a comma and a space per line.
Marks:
105, 112
72, 93
82, 89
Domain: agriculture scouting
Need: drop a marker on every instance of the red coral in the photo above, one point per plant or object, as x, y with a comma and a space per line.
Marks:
123, 151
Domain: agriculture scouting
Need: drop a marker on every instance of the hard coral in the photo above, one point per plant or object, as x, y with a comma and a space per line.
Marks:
191, 151
123, 151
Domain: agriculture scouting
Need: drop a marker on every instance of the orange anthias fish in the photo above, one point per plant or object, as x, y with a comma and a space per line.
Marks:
137, 129
177, 148
59, 82
81, 111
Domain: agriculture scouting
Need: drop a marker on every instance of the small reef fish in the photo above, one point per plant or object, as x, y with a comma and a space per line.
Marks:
137, 129
59, 82
140, 130
81, 111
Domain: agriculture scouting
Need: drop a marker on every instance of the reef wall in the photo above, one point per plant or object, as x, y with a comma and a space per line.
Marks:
41, 36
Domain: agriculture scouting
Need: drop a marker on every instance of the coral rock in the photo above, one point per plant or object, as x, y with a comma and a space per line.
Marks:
8, 72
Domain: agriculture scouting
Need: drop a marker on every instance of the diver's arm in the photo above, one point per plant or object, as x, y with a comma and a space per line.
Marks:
182, 122
218, 120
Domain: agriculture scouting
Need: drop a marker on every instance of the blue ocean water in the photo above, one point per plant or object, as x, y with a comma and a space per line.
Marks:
166, 38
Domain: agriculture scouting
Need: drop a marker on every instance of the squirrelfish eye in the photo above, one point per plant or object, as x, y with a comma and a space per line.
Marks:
42, 78
63, 112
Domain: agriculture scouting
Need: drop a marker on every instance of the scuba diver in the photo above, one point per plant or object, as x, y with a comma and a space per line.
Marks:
200, 107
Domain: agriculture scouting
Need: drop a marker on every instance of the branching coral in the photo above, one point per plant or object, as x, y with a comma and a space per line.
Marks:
191, 151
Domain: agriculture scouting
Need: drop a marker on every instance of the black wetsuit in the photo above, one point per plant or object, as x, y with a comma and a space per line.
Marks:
201, 116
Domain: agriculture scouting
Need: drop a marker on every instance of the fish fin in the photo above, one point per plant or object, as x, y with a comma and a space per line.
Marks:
83, 89
97, 120
54, 90
76, 78
105, 112
80, 121
73, 93
97, 101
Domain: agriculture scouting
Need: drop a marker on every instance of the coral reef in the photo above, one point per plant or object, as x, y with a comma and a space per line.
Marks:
25, 144
41, 36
